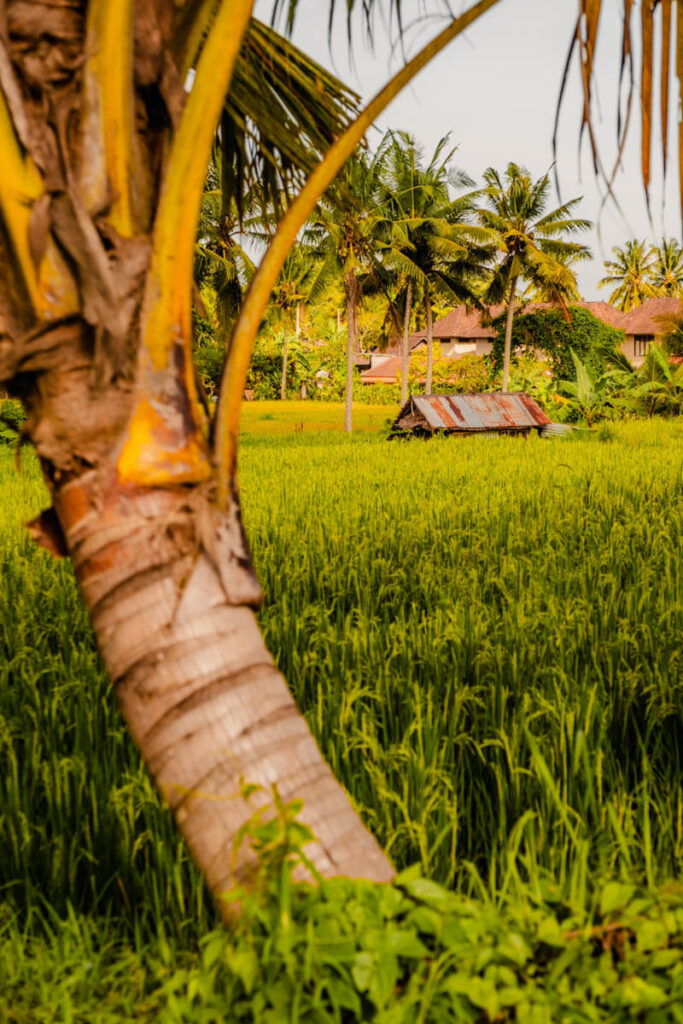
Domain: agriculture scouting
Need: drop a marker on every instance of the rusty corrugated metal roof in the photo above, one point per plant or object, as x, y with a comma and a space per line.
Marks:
479, 412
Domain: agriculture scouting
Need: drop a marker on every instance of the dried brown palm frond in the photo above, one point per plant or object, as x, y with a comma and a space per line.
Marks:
641, 25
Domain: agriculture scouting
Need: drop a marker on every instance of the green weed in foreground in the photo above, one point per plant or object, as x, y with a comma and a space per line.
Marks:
350, 951
485, 637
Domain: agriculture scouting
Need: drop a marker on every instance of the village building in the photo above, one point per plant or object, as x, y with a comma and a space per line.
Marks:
468, 332
486, 415
647, 324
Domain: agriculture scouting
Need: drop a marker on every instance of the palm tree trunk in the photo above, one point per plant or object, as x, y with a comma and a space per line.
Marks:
508, 335
196, 685
430, 340
405, 354
283, 381
352, 296
168, 583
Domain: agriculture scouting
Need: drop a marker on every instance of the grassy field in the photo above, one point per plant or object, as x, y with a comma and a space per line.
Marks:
276, 418
485, 637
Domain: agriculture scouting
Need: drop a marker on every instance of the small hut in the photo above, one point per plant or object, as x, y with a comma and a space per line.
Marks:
487, 415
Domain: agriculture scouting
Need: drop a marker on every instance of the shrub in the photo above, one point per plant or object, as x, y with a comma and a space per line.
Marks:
547, 331
468, 375
209, 359
12, 417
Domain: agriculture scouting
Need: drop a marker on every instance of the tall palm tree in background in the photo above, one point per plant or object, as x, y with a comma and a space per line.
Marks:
289, 294
223, 268
630, 275
104, 158
433, 244
532, 243
345, 229
667, 268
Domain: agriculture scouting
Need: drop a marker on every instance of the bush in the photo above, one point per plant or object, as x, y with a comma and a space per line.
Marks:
673, 338
12, 418
468, 375
547, 331
209, 359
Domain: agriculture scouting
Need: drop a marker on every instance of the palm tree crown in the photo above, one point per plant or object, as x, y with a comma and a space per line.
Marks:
431, 241
630, 271
530, 240
345, 229
667, 268
532, 244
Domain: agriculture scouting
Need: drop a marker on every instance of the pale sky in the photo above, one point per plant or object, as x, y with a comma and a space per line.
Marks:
495, 90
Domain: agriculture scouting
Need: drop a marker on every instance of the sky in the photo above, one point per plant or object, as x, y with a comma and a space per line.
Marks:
495, 90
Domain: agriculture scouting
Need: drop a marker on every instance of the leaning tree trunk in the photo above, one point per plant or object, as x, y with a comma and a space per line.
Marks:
170, 591
405, 352
103, 162
283, 380
508, 335
352, 291
430, 344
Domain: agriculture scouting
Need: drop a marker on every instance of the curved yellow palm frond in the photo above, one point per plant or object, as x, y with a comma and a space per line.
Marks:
165, 444
242, 342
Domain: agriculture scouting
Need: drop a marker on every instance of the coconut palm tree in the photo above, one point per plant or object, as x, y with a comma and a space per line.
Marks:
666, 271
346, 230
222, 265
630, 275
291, 291
104, 161
430, 240
531, 242
104, 158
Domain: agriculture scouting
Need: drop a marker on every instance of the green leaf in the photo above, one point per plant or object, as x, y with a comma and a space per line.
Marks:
615, 896
641, 995
425, 891
651, 935
405, 944
377, 975
244, 964
549, 931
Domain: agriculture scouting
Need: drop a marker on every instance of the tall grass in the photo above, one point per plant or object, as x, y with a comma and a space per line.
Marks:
483, 634
485, 637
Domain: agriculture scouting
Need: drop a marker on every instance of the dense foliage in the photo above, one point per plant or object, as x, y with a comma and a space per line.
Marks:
12, 418
549, 333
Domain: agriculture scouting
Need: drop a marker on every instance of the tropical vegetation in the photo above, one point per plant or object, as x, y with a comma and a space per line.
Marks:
553, 334
532, 242
640, 271
497, 684
109, 114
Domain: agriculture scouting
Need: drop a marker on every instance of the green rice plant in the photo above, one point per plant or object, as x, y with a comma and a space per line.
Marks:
484, 635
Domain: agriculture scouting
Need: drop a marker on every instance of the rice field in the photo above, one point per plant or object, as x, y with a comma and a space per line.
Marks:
484, 635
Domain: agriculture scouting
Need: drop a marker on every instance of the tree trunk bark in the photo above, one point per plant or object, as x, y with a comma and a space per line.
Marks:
430, 340
352, 296
168, 583
196, 685
508, 335
103, 366
283, 381
405, 353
